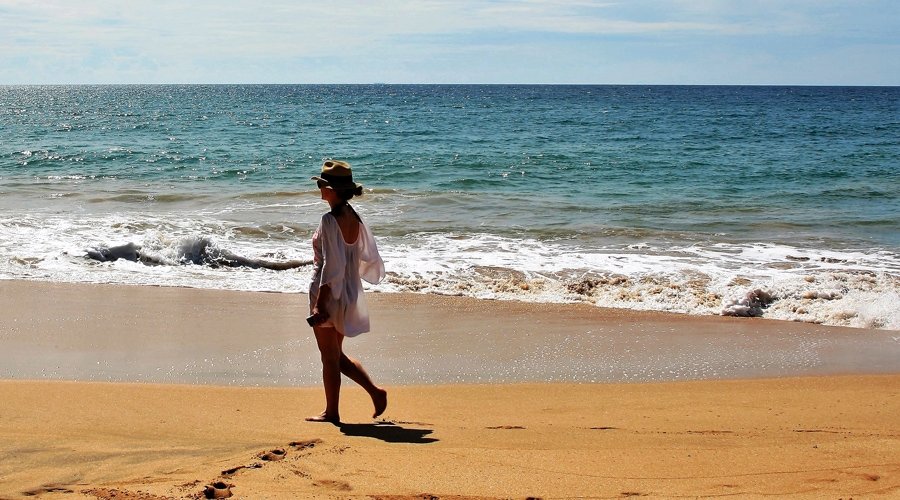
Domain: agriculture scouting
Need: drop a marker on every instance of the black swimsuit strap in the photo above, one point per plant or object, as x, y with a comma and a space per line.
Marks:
339, 209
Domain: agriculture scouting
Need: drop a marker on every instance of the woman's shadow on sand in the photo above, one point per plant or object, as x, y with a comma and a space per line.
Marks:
388, 432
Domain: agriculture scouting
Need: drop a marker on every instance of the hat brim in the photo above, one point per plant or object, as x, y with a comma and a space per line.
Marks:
331, 185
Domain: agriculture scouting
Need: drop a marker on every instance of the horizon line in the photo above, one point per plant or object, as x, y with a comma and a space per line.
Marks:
111, 84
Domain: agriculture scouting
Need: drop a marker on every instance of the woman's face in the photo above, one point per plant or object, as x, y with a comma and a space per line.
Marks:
328, 194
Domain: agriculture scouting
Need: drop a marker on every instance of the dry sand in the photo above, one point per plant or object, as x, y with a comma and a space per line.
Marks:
824, 436
821, 437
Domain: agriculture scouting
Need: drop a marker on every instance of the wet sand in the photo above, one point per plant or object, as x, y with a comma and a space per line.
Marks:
178, 335
783, 408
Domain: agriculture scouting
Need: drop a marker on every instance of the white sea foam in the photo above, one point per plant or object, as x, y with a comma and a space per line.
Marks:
835, 288
850, 288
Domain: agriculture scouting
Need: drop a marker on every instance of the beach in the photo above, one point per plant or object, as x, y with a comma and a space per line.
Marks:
114, 391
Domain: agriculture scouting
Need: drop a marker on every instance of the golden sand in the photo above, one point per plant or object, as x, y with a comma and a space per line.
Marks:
824, 436
818, 437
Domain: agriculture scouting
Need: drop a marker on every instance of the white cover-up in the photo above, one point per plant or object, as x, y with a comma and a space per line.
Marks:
342, 266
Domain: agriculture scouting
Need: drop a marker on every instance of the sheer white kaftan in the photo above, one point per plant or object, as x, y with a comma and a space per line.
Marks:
342, 266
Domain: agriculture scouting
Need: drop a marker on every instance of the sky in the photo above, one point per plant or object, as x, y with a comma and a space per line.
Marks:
711, 42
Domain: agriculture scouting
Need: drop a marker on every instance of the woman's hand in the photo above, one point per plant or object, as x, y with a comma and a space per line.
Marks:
317, 317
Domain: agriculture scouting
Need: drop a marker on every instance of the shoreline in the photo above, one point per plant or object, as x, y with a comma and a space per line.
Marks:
121, 333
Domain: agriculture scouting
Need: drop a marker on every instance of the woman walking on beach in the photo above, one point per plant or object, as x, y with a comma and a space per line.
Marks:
344, 254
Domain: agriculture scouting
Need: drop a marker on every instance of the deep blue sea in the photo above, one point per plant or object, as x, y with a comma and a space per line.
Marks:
782, 202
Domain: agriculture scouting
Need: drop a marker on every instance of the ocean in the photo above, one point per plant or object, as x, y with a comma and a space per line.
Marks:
780, 202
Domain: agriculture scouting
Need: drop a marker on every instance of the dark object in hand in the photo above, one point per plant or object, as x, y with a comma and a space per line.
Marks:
316, 319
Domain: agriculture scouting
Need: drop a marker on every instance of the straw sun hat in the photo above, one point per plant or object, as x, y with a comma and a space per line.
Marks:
336, 175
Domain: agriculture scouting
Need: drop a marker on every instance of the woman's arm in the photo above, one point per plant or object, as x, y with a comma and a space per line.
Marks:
319, 312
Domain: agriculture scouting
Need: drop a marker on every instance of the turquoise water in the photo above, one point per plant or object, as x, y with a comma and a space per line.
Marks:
674, 198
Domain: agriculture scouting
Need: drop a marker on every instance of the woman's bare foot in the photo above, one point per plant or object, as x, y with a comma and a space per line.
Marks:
324, 417
379, 399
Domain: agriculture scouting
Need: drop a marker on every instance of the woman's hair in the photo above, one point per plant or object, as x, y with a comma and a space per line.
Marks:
347, 194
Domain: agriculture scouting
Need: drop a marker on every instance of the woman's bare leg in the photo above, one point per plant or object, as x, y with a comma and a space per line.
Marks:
329, 341
354, 370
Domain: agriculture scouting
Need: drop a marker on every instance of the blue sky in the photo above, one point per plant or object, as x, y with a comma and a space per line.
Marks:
814, 42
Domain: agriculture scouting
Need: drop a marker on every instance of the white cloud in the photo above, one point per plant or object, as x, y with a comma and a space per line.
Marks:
275, 39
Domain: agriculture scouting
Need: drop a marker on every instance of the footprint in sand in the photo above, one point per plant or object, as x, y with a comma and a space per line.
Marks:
232, 471
331, 484
47, 488
273, 455
116, 494
305, 444
217, 490
223, 490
